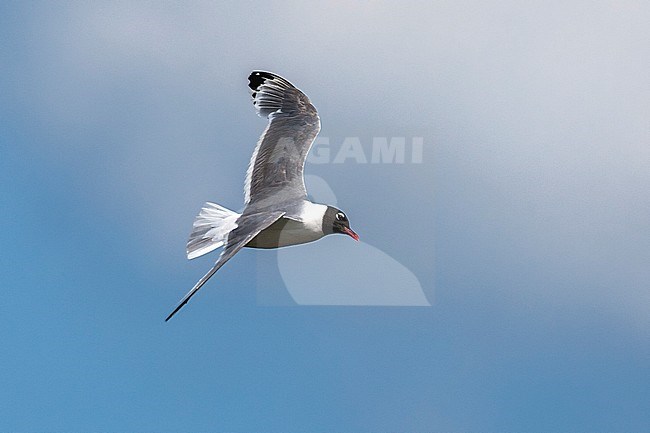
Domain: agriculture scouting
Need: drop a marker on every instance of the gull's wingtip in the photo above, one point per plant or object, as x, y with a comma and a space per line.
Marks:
175, 311
270, 92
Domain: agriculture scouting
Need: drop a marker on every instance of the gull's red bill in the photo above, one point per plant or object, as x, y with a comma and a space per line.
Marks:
348, 231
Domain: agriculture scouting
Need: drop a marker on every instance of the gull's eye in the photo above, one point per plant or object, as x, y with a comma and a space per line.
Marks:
340, 216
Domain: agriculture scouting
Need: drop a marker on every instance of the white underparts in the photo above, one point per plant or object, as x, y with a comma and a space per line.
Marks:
308, 227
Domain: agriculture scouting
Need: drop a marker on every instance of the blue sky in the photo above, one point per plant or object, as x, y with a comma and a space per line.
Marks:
526, 224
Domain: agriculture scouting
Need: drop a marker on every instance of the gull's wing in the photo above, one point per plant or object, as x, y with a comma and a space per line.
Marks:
279, 157
248, 226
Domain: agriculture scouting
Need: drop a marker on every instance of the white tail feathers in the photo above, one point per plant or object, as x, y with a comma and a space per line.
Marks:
210, 229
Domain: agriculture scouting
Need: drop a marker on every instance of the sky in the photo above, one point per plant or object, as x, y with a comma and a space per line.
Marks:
511, 258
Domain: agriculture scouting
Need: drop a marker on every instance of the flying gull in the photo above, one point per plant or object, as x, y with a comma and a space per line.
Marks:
277, 212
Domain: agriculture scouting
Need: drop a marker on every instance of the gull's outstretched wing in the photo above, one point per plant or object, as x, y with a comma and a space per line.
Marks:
277, 163
248, 226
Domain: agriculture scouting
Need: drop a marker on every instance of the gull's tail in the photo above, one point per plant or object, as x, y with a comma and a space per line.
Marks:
210, 230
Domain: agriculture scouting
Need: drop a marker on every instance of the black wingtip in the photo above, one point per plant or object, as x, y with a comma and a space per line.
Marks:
257, 78
175, 311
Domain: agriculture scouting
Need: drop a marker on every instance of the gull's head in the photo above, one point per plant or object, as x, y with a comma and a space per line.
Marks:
335, 221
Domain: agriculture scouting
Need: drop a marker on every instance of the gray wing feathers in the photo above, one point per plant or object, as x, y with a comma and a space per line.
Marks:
271, 92
279, 157
249, 226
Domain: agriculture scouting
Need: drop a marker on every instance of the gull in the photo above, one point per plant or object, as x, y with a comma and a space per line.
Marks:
277, 212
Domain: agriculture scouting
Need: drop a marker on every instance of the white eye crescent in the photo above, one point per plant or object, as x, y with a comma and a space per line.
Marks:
340, 216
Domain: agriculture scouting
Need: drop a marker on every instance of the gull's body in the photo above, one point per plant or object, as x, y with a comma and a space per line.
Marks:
298, 227
277, 212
